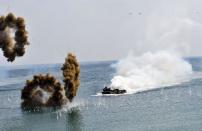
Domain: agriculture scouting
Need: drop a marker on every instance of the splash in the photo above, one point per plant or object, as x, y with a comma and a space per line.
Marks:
46, 91
150, 71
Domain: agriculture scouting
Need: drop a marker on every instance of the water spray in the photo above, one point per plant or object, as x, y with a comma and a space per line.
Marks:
46, 91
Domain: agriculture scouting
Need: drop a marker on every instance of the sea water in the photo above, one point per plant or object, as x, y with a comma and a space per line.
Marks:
176, 107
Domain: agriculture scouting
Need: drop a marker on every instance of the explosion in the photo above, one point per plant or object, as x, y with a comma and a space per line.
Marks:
71, 72
42, 90
46, 91
13, 36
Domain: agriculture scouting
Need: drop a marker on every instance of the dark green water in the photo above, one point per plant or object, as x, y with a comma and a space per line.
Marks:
175, 108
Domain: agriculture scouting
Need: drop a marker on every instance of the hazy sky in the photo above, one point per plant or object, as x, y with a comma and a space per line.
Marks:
106, 29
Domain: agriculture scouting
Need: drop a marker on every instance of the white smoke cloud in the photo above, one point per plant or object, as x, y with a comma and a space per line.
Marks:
170, 33
173, 26
150, 71
176, 34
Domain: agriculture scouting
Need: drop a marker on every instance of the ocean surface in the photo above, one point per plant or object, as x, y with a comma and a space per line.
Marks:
173, 108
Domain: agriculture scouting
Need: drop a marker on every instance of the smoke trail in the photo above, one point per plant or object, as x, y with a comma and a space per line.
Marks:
13, 47
45, 90
150, 71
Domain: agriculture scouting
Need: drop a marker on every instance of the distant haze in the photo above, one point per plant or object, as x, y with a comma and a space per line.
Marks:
106, 29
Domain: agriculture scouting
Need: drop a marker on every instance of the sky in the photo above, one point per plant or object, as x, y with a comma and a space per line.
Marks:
98, 30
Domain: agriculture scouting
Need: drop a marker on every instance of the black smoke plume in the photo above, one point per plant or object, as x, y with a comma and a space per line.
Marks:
46, 91
13, 47
71, 71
